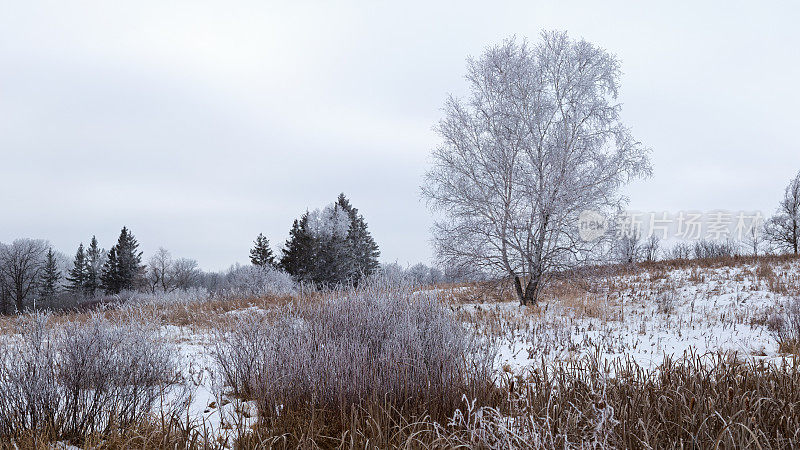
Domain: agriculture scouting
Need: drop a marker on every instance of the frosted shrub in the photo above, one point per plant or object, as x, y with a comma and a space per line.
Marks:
180, 296
137, 298
714, 249
665, 302
82, 378
254, 281
786, 327
370, 346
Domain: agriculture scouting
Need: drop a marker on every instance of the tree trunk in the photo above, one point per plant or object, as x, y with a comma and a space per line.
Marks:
531, 292
520, 294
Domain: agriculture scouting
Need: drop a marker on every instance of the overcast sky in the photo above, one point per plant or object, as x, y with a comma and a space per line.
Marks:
200, 125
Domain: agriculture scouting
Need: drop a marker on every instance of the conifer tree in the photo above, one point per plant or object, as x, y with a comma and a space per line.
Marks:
331, 263
77, 275
124, 265
109, 276
329, 247
51, 276
298, 250
363, 250
94, 264
261, 254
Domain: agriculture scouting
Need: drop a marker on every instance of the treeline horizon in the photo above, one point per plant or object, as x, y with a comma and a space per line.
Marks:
326, 247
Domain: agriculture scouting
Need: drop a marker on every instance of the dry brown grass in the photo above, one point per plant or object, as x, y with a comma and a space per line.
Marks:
696, 402
199, 316
789, 346
711, 401
158, 433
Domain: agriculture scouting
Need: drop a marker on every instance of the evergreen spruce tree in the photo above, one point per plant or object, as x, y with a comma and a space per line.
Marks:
94, 264
364, 248
298, 251
324, 254
109, 275
363, 251
261, 255
333, 262
77, 275
51, 276
124, 265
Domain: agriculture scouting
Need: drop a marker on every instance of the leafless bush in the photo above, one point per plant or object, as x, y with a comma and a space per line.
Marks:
714, 249
369, 345
255, 281
785, 327
68, 382
180, 296
665, 302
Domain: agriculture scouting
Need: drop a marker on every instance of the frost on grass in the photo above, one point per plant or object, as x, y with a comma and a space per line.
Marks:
255, 281
648, 314
80, 378
785, 326
371, 345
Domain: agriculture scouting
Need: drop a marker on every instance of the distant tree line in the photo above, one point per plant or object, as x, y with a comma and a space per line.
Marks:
778, 234
326, 247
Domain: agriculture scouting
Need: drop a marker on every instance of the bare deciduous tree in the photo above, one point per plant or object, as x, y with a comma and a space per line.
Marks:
629, 248
783, 229
681, 250
5, 291
159, 271
185, 273
165, 274
754, 239
538, 141
21, 264
651, 248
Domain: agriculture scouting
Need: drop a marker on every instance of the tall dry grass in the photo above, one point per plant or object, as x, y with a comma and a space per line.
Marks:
318, 367
710, 401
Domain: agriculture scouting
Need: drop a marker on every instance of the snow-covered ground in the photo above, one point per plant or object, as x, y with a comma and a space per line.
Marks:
210, 408
677, 312
644, 315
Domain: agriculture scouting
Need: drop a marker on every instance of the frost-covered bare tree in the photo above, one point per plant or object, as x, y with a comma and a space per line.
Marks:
681, 250
708, 248
783, 229
185, 273
21, 264
538, 141
424, 275
165, 274
159, 271
5, 289
651, 247
754, 239
629, 248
